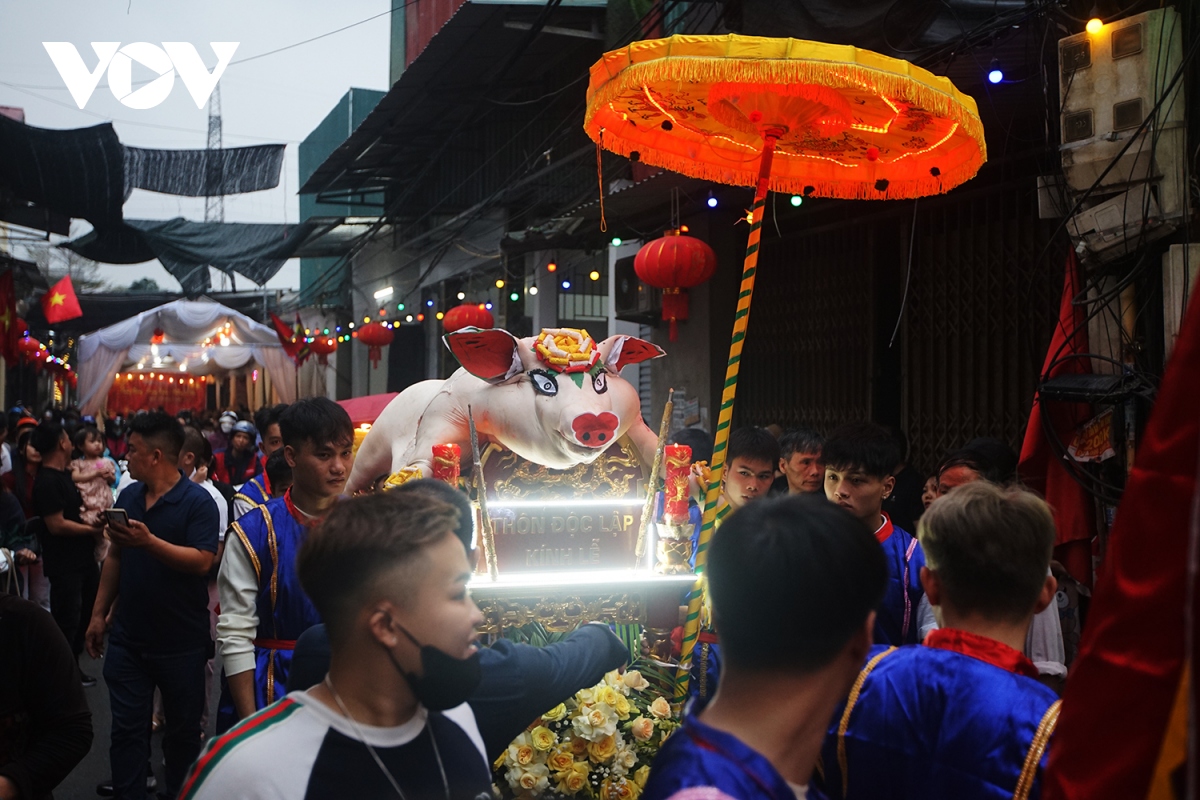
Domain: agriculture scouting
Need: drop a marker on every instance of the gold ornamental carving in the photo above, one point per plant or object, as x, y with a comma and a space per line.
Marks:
560, 613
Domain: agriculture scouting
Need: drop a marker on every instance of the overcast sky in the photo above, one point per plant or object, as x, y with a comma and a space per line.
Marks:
279, 98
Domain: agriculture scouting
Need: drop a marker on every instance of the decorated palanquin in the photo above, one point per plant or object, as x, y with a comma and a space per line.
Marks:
564, 456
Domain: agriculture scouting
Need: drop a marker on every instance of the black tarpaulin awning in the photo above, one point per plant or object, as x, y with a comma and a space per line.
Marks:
186, 249
79, 172
203, 173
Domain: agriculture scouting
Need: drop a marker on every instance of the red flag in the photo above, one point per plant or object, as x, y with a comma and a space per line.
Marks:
303, 351
60, 304
1040, 468
1134, 656
10, 328
287, 337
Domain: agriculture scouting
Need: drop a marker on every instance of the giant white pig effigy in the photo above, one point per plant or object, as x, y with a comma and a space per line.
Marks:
556, 399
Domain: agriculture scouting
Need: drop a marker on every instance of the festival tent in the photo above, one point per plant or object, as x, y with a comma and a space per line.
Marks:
192, 338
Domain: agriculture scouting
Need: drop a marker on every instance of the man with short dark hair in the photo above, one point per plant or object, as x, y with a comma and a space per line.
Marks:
389, 576
68, 548
785, 671
860, 458
800, 463
160, 638
749, 466
263, 608
961, 715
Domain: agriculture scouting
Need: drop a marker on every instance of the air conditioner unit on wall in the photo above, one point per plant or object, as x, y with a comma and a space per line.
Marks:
1109, 82
634, 301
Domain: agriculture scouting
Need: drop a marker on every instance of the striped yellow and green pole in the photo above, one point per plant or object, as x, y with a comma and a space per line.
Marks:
691, 628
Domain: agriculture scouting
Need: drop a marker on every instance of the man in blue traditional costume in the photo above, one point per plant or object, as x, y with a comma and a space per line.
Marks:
961, 715
259, 490
263, 608
749, 470
860, 458
770, 565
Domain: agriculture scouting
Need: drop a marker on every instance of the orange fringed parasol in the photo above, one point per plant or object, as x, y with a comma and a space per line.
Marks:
849, 123
815, 119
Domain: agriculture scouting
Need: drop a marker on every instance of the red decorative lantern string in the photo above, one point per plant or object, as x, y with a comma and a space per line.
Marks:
375, 336
467, 316
675, 263
323, 346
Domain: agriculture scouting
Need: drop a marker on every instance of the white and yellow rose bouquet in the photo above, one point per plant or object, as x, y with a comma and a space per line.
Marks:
598, 744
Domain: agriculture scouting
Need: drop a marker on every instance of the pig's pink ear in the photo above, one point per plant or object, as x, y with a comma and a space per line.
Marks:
619, 352
487, 354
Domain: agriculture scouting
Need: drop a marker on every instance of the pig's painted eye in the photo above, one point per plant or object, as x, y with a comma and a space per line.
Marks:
543, 383
600, 383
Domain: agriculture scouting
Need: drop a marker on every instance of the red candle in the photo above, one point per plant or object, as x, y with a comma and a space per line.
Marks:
678, 459
446, 463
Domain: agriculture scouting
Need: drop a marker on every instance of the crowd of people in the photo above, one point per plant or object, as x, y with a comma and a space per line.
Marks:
871, 631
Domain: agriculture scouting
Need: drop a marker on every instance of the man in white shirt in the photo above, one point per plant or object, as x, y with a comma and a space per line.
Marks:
389, 577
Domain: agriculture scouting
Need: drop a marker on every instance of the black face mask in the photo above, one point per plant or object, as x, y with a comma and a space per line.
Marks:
447, 682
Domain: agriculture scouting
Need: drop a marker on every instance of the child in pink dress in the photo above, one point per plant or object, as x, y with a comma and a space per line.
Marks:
94, 476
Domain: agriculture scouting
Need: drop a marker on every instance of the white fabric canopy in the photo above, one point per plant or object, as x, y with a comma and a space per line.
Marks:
185, 325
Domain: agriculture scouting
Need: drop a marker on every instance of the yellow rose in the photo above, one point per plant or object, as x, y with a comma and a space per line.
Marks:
555, 714
528, 781
620, 789
642, 729
579, 745
612, 678
560, 760
622, 707
606, 694
603, 750
543, 738
572, 783
660, 708
524, 755
641, 776
585, 697
634, 680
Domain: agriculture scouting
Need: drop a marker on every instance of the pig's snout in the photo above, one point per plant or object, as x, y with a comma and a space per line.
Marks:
595, 430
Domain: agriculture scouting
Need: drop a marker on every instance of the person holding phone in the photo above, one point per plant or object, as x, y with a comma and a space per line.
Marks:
164, 532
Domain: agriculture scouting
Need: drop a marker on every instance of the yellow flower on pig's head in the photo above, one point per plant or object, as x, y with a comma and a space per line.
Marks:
560, 760
641, 776
542, 738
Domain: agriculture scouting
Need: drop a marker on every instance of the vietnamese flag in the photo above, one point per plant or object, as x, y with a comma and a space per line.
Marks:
60, 304
1124, 731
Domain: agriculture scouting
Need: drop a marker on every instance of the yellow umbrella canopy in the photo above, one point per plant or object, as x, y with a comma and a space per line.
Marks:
849, 123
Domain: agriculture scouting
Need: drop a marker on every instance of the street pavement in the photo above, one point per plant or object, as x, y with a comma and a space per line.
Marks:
93, 770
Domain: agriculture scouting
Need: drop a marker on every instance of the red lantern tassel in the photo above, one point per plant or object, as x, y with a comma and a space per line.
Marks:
674, 308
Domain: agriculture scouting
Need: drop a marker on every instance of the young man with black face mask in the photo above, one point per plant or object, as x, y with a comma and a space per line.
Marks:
389, 577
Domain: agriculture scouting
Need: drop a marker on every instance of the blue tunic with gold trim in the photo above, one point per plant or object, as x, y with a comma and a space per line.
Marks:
272, 534
255, 491
959, 716
896, 617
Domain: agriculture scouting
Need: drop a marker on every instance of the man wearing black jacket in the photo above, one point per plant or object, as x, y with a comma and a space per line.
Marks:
45, 724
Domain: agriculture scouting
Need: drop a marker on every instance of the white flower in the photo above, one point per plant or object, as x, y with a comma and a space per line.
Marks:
595, 723
521, 752
614, 680
634, 680
533, 778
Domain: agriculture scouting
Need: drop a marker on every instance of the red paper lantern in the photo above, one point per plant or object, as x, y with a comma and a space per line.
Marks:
467, 316
323, 346
158, 337
375, 336
29, 348
674, 264
22, 327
